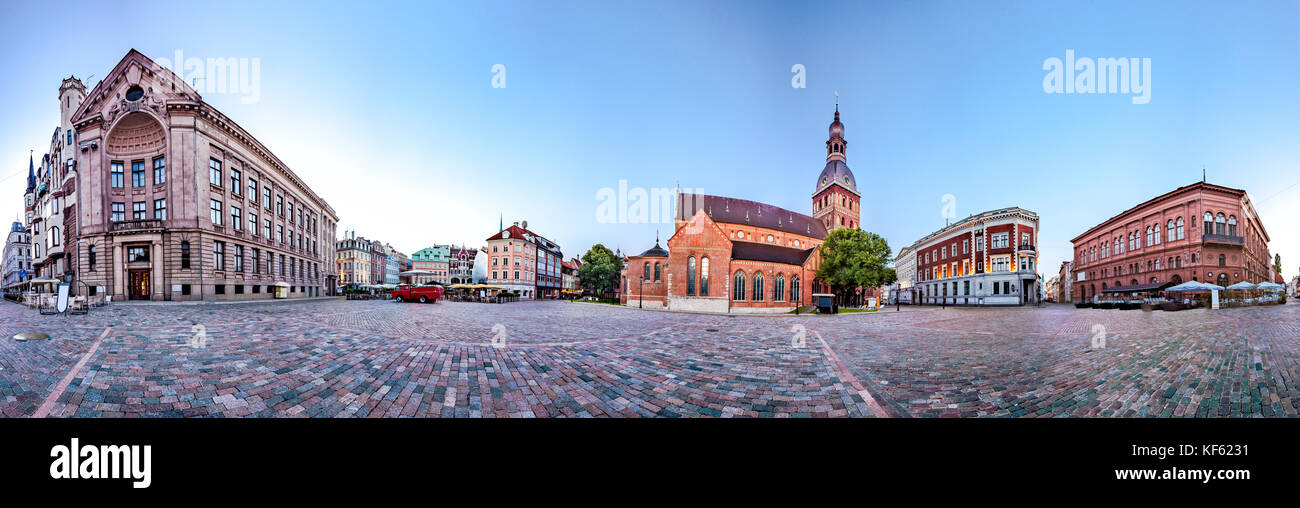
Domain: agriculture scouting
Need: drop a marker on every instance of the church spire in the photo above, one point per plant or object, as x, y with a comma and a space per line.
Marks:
31, 172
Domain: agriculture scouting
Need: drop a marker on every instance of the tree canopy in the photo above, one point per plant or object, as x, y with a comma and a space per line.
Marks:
852, 257
600, 269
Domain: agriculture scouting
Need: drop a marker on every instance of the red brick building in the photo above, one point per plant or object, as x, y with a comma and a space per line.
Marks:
1202, 232
736, 255
986, 259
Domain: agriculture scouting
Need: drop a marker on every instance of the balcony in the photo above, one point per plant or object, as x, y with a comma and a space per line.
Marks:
1223, 239
133, 226
1026, 247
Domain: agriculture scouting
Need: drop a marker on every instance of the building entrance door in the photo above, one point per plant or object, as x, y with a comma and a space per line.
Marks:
138, 287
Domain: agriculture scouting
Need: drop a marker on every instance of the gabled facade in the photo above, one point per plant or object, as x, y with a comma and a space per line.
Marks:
176, 201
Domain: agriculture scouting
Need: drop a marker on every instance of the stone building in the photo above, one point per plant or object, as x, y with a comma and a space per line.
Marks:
990, 258
52, 200
16, 264
435, 260
354, 260
524, 261
175, 201
460, 265
1201, 232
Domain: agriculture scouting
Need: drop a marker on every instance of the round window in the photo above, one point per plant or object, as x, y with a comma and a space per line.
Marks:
134, 93
740, 234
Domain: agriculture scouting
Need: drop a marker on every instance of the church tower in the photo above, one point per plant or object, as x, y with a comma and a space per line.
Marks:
836, 201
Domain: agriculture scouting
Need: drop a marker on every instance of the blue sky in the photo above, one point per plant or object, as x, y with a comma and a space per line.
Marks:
388, 110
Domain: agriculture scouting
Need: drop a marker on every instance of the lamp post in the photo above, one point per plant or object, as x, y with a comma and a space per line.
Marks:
640, 297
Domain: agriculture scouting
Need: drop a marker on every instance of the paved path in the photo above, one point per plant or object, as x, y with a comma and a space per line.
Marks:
335, 358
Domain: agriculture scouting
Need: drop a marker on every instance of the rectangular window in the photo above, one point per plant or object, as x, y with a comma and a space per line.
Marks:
266, 226
219, 255
137, 174
252, 189
279, 232
137, 253
239, 258
215, 209
214, 172
160, 170
279, 205
137, 210
257, 260
266, 197
117, 176
236, 181
236, 220
119, 212
185, 289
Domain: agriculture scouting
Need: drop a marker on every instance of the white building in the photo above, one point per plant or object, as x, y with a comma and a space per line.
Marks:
17, 261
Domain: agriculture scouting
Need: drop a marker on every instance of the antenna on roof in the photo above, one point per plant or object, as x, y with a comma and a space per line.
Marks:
1202, 173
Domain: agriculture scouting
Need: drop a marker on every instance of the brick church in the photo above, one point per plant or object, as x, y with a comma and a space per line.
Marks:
735, 255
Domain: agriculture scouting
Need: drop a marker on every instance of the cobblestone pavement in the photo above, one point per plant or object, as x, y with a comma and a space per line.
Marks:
335, 358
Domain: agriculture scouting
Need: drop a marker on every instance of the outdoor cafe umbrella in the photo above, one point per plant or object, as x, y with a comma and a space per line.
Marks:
1271, 286
1242, 285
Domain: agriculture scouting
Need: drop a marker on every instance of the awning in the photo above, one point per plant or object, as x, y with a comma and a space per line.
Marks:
1138, 288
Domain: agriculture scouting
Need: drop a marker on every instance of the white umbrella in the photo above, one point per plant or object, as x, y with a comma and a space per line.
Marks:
1242, 285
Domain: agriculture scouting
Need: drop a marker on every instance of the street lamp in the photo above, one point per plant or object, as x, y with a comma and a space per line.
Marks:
640, 297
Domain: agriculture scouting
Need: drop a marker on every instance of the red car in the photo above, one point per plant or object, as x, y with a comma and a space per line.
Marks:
422, 294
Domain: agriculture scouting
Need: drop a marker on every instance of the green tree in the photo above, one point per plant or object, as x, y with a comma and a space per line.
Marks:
600, 269
853, 258
1277, 263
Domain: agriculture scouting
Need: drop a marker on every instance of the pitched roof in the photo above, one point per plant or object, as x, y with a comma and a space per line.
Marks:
754, 251
752, 213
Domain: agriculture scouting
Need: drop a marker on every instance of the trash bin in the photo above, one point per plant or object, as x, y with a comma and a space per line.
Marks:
825, 303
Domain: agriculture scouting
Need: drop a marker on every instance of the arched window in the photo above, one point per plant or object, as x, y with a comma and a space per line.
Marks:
185, 255
1232, 225
54, 235
795, 295
1209, 224
758, 287
1155, 234
656, 272
1169, 230
1220, 224
778, 288
1180, 229
704, 276
738, 287
90, 254
646, 274
690, 276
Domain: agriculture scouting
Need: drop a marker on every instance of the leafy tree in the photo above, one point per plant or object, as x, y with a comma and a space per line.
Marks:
600, 269
1277, 263
853, 258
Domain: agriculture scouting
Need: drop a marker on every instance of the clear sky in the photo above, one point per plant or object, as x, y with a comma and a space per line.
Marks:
388, 110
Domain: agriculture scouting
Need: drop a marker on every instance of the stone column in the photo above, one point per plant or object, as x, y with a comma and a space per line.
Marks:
119, 269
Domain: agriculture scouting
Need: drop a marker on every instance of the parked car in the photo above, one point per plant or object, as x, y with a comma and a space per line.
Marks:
422, 294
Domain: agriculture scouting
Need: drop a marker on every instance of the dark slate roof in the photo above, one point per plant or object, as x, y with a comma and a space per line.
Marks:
751, 213
754, 251
836, 172
655, 252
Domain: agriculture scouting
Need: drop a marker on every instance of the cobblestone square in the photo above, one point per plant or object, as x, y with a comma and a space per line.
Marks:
336, 358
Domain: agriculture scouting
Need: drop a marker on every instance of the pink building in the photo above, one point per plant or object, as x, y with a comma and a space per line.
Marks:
176, 201
1202, 232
